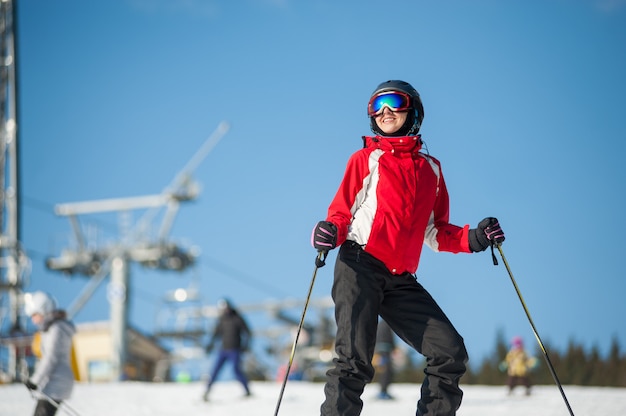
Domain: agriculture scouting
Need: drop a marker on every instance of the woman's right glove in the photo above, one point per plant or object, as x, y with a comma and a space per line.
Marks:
324, 236
486, 233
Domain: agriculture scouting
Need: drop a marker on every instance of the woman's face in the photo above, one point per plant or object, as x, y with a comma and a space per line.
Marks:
389, 121
37, 318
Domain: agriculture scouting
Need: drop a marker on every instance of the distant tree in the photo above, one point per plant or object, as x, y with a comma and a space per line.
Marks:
573, 371
488, 372
542, 374
616, 366
595, 367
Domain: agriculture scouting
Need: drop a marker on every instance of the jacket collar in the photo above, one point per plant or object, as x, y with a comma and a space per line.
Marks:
399, 146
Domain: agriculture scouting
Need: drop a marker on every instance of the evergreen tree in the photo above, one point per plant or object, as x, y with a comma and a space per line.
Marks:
615, 371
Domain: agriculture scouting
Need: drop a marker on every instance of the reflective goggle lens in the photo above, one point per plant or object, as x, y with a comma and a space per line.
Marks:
396, 101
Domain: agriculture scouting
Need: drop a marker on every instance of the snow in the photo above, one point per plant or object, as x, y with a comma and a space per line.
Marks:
304, 398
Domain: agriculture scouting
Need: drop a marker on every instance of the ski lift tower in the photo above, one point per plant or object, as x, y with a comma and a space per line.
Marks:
14, 263
135, 244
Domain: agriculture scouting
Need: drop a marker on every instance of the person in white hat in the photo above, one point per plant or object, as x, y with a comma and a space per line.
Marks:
53, 375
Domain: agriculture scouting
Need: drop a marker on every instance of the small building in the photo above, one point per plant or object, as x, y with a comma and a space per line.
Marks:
146, 360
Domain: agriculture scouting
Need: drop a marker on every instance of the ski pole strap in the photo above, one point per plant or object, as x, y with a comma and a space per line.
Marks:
320, 260
493, 255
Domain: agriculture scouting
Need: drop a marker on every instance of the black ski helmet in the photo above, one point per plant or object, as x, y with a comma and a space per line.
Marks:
414, 118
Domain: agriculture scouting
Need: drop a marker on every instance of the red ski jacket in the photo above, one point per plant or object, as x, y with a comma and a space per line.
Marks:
392, 200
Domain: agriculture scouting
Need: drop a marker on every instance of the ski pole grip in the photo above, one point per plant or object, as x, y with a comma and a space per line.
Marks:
320, 260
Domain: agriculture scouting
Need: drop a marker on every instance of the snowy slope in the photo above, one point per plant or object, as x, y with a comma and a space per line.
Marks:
303, 399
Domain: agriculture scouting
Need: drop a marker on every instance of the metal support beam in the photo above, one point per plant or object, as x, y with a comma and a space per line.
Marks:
13, 260
118, 295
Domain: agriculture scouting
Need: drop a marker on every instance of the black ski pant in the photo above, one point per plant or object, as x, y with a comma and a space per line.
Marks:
45, 408
363, 288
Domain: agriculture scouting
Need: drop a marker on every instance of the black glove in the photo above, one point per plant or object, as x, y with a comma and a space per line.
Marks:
324, 237
486, 233
30, 385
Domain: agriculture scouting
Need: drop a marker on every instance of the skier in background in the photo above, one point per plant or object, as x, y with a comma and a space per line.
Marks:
385, 345
234, 336
392, 199
53, 376
518, 364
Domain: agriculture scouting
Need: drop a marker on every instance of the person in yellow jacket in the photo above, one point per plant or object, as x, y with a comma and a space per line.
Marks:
518, 364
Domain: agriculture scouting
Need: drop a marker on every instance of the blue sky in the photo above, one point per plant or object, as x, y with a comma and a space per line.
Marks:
523, 106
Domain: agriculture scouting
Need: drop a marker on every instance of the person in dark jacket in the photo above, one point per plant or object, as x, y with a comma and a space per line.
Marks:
233, 333
392, 200
385, 345
53, 377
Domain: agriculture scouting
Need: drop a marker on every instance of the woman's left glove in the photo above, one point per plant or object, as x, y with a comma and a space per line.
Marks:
30, 385
486, 233
324, 236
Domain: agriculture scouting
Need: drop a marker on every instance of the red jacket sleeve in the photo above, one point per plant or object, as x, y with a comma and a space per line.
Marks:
450, 237
340, 209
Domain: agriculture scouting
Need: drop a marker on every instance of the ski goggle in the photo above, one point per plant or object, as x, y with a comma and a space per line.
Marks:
394, 100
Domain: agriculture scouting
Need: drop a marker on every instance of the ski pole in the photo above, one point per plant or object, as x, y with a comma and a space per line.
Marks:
319, 262
59, 405
543, 349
